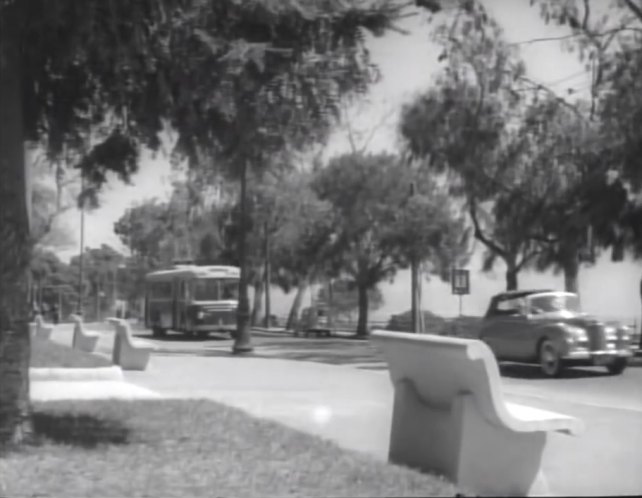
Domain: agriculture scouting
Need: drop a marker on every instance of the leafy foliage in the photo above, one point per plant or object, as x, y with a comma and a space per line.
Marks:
378, 226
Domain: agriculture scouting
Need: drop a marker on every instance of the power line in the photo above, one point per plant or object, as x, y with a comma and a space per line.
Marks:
566, 78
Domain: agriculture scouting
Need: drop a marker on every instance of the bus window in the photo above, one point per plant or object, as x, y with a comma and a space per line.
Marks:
206, 290
160, 290
230, 289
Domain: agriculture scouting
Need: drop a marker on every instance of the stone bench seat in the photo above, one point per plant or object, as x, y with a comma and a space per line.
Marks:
42, 330
128, 352
450, 416
83, 340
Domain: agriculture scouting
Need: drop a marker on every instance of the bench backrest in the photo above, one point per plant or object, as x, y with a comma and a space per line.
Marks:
441, 368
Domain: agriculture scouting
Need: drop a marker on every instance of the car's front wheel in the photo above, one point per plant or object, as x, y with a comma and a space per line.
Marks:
617, 366
550, 360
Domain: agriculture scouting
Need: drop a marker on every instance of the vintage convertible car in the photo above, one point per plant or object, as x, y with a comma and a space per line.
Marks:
548, 327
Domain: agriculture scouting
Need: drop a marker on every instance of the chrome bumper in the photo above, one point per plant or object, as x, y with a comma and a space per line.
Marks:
598, 357
212, 327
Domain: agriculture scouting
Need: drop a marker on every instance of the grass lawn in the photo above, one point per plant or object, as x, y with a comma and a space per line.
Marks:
51, 355
193, 448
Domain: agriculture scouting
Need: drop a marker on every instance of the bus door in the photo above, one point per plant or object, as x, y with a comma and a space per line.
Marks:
175, 304
159, 305
181, 304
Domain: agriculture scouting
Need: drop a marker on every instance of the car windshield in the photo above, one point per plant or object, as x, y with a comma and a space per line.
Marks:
555, 303
215, 289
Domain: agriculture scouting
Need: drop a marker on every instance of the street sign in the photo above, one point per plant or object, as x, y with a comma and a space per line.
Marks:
460, 280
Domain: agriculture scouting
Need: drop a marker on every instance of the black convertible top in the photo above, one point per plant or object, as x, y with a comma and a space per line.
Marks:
518, 293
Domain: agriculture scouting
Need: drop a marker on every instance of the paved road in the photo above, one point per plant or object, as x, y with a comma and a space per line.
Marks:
591, 386
588, 386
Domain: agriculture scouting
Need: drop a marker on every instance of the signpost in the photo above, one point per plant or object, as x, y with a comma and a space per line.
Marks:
460, 282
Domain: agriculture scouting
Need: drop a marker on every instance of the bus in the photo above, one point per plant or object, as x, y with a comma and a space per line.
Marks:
192, 299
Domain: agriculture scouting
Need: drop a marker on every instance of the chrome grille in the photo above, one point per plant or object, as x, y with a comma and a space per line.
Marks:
597, 339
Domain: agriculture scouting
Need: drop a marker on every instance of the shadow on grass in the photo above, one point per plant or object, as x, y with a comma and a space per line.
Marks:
177, 337
75, 429
523, 371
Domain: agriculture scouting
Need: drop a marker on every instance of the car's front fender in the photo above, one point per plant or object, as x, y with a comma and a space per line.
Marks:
557, 333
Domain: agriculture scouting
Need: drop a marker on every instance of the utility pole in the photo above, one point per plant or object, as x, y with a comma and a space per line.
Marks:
415, 284
267, 277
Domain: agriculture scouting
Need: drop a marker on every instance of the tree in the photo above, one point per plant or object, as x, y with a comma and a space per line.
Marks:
59, 64
378, 228
345, 299
101, 267
527, 155
608, 42
144, 230
51, 196
472, 103
53, 281
279, 91
68, 67
302, 246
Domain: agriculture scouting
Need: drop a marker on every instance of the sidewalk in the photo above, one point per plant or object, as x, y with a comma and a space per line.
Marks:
67, 390
353, 408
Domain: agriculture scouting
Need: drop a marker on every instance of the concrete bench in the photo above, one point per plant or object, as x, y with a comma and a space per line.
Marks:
42, 330
129, 353
450, 416
83, 340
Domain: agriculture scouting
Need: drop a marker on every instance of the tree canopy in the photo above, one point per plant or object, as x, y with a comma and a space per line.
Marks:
379, 227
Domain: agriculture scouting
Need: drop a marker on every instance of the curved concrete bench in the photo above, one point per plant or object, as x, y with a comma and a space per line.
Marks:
83, 340
42, 330
129, 353
450, 416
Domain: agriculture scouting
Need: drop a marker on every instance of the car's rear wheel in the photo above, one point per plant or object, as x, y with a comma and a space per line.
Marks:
617, 366
550, 361
158, 332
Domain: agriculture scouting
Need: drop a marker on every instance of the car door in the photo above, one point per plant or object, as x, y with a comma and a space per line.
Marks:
500, 326
516, 339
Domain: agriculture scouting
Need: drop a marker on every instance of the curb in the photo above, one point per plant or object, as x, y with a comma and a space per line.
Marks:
113, 373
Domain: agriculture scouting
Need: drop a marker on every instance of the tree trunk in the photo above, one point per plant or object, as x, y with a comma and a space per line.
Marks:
362, 323
15, 240
97, 303
415, 305
242, 337
511, 276
259, 289
80, 306
640, 345
267, 279
571, 273
296, 305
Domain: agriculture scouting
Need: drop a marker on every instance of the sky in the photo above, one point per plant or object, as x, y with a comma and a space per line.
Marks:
407, 64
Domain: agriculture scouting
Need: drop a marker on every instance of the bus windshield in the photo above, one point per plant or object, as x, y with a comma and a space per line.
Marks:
215, 289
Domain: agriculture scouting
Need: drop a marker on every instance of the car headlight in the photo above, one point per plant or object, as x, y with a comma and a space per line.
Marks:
200, 314
610, 333
576, 334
